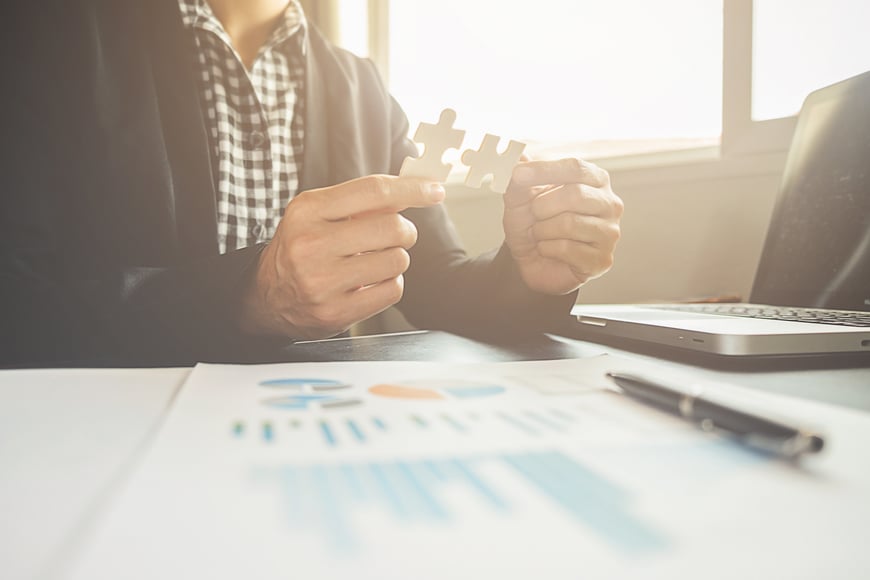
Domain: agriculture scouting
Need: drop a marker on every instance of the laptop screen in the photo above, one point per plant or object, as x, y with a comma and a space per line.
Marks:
817, 251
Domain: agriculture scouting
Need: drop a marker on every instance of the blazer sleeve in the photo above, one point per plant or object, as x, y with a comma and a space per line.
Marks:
68, 299
138, 316
71, 291
72, 294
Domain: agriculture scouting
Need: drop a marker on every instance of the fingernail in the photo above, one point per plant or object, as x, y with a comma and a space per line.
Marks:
435, 191
523, 174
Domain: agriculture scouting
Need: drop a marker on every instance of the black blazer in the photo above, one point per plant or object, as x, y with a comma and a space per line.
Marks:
109, 253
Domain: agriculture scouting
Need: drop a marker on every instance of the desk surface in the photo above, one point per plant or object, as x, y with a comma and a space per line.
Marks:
848, 387
67, 435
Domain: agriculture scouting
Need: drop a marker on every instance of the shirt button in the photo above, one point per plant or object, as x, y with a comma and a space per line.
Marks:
258, 230
257, 139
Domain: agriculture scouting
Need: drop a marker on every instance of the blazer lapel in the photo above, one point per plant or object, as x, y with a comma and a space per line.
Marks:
183, 127
315, 154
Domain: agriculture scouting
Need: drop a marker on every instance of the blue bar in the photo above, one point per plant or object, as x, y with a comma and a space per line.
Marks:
327, 434
329, 508
427, 476
388, 492
289, 478
435, 470
379, 423
589, 498
353, 481
453, 423
484, 490
518, 424
268, 433
357, 432
557, 466
418, 492
419, 421
238, 429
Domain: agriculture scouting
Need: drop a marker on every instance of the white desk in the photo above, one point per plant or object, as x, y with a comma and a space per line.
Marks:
67, 435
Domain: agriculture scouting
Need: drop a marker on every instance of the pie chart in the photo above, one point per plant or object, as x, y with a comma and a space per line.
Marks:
297, 402
302, 393
305, 384
436, 389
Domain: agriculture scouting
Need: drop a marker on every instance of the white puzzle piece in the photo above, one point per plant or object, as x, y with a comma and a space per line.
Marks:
488, 161
436, 139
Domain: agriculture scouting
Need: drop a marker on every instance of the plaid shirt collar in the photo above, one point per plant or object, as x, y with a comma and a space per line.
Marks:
198, 14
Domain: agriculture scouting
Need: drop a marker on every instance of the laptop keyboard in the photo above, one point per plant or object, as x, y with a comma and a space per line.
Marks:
816, 315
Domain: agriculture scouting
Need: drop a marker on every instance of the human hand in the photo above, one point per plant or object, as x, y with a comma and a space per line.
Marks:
561, 223
337, 257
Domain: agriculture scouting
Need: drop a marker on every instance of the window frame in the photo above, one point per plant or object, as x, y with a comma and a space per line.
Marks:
741, 135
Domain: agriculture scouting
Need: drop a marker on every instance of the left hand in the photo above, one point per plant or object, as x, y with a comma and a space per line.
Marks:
561, 223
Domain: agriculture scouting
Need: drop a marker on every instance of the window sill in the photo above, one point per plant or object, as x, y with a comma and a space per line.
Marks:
682, 166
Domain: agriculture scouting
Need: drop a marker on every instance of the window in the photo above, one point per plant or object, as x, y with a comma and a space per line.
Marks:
800, 46
353, 26
562, 73
616, 77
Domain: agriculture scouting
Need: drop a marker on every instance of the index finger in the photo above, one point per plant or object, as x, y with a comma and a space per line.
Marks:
560, 172
375, 193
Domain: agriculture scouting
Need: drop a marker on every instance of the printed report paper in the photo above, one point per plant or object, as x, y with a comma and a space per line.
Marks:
398, 470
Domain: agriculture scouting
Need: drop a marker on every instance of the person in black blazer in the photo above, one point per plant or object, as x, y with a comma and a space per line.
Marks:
109, 249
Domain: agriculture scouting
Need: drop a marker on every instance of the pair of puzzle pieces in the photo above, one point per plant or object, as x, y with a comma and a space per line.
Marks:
486, 160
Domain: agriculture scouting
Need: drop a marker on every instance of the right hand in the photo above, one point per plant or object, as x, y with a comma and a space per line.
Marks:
337, 257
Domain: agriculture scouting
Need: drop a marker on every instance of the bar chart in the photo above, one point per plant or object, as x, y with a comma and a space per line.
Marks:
328, 498
370, 428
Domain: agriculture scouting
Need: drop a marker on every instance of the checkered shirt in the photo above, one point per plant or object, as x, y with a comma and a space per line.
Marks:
253, 119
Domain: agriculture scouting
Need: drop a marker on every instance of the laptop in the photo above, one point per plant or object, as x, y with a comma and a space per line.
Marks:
811, 292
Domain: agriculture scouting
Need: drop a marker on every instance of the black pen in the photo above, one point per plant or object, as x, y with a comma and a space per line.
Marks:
749, 428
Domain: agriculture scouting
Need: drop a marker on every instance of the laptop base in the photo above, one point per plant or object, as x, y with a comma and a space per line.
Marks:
739, 363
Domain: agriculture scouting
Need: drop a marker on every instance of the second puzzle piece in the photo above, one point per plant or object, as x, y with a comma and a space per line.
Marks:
486, 160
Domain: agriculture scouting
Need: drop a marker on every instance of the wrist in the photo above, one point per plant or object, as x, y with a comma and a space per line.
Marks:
256, 317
